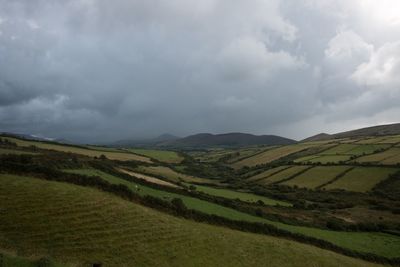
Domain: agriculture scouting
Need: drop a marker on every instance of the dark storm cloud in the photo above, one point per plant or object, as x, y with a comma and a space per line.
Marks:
95, 70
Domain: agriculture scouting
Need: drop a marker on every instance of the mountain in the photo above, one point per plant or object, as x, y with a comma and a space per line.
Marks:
228, 140
317, 137
379, 130
146, 142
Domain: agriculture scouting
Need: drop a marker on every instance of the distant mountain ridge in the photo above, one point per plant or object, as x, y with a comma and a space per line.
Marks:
379, 130
210, 140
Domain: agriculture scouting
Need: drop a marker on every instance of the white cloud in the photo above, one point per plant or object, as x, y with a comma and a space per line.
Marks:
382, 69
347, 45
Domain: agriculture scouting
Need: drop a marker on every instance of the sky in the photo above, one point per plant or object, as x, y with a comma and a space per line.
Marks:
100, 70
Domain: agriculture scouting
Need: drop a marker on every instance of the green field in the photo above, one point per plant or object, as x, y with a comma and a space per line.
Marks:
272, 155
173, 176
267, 173
78, 226
316, 176
7, 260
382, 157
247, 197
5, 151
352, 149
285, 174
160, 155
361, 179
378, 243
324, 159
123, 156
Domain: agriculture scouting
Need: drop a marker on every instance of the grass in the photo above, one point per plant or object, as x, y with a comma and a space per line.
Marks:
316, 176
382, 156
324, 159
285, 174
267, 173
247, 197
272, 155
388, 244
77, 225
160, 155
353, 149
4, 151
172, 175
123, 156
7, 260
361, 179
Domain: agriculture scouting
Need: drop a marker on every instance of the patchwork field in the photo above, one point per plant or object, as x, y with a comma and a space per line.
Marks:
284, 174
316, 176
123, 156
324, 159
174, 176
247, 197
160, 155
272, 155
382, 156
355, 150
370, 242
89, 230
267, 173
361, 179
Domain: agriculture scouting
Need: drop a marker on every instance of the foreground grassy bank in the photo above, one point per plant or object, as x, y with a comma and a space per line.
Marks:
380, 244
77, 225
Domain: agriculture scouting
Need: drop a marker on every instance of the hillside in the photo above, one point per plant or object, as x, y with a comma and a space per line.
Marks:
90, 229
379, 130
228, 140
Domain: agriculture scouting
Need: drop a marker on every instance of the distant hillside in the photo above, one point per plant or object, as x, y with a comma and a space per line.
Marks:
318, 137
228, 140
146, 142
379, 130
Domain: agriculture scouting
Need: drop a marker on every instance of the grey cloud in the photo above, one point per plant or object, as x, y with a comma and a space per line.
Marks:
103, 70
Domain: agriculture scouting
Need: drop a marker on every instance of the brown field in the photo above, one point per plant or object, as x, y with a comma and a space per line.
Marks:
149, 179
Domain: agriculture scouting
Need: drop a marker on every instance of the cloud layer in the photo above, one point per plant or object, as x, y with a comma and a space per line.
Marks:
98, 70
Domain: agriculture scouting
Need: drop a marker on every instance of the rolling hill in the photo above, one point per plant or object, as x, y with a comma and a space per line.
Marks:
79, 226
228, 140
379, 130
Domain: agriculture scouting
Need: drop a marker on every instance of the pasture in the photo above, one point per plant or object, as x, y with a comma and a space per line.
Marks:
160, 155
382, 157
99, 227
267, 173
123, 156
173, 175
272, 155
361, 179
5, 151
370, 242
316, 176
282, 175
247, 197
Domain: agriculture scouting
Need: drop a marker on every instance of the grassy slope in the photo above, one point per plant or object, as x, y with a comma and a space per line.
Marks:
87, 152
271, 155
4, 151
380, 244
382, 157
316, 176
80, 225
248, 197
361, 179
283, 174
160, 155
267, 173
172, 175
